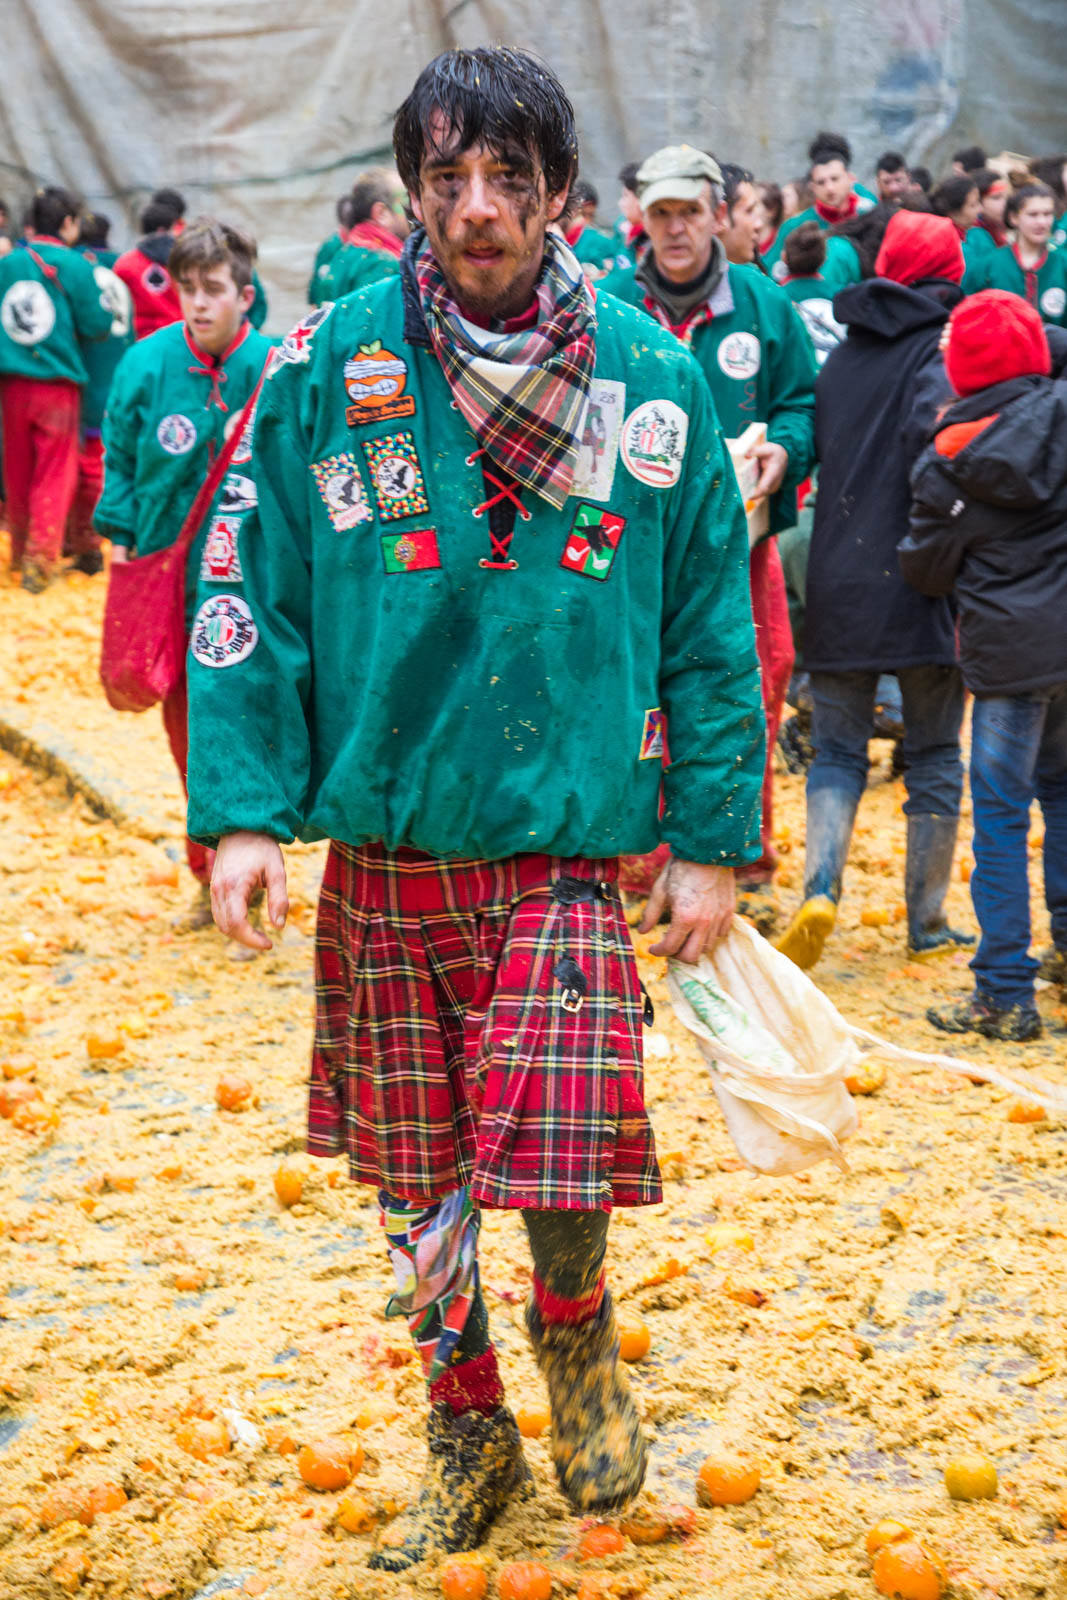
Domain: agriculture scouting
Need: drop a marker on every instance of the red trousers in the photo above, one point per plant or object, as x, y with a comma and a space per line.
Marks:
176, 722
774, 646
40, 422
81, 535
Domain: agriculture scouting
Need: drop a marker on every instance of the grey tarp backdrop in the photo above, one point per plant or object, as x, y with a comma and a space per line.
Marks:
262, 110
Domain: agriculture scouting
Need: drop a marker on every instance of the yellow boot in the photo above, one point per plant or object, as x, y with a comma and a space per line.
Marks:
809, 930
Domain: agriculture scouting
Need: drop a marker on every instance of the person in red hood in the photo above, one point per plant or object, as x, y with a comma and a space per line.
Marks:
144, 269
876, 399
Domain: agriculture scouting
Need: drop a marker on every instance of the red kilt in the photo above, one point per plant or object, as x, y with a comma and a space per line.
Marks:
449, 1048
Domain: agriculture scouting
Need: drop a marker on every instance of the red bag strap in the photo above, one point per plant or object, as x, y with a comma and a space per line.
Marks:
219, 467
49, 271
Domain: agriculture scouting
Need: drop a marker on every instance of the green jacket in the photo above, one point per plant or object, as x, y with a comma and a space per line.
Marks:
814, 300
355, 267
979, 248
257, 311
842, 264
166, 419
595, 249
323, 256
102, 356
381, 682
773, 257
1046, 289
759, 362
45, 314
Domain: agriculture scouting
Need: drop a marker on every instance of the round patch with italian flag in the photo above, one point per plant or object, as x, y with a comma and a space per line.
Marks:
224, 632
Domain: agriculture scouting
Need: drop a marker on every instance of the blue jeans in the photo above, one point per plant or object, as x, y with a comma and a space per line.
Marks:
1018, 753
932, 699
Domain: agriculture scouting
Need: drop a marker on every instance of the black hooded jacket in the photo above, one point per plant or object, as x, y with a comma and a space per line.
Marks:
875, 402
989, 523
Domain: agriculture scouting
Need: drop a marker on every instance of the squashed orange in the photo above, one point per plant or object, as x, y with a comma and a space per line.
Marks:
524, 1580
596, 1543
464, 1578
532, 1420
355, 1514
329, 1463
204, 1437
909, 1570
635, 1341
232, 1092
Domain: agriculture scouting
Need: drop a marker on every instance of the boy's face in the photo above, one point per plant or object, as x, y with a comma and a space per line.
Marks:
1033, 221
831, 183
213, 307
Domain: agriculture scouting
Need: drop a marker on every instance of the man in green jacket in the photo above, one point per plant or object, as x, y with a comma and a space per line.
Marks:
494, 549
49, 303
328, 249
173, 399
758, 359
375, 239
837, 195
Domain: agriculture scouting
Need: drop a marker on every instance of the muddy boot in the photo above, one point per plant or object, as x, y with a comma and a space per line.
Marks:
758, 903
88, 561
598, 1447
474, 1466
36, 577
1053, 967
831, 814
809, 930
980, 1014
928, 870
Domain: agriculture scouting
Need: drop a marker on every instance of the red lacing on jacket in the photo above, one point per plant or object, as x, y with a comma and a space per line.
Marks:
214, 367
507, 495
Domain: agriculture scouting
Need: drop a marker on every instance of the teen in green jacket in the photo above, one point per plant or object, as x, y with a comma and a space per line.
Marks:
101, 357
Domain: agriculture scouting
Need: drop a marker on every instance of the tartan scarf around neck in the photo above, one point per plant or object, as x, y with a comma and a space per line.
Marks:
522, 393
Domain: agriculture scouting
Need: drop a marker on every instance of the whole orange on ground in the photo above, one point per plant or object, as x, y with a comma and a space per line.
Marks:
232, 1092
532, 1420
971, 1477
727, 1481
288, 1184
524, 1580
596, 1543
464, 1579
329, 1463
635, 1341
907, 1569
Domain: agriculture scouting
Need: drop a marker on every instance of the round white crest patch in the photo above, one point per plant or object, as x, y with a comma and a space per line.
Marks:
652, 445
739, 355
223, 632
116, 298
780, 271
176, 434
1053, 302
27, 312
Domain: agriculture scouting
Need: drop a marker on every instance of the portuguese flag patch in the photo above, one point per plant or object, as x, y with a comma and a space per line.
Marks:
592, 541
411, 552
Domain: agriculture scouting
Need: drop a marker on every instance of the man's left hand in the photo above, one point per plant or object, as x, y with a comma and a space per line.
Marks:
701, 901
773, 459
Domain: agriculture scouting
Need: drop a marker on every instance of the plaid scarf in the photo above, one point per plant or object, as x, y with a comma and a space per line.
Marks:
524, 394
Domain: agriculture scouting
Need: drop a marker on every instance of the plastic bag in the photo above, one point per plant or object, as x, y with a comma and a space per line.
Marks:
777, 1050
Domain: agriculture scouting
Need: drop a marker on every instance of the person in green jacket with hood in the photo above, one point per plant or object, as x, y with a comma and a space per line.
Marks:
758, 359
49, 304
495, 549
173, 399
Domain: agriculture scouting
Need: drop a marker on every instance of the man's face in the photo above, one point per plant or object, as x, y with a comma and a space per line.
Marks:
831, 183
891, 185
992, 204
213, 307
681, 233
1033, 221
744, 224
485, 214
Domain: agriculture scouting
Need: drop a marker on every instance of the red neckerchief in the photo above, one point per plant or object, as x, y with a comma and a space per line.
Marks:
689, 324
213, 367
1029, 274
996, 233
47, 238
803, 277
369, 236
832, 214
768, 243
575, 233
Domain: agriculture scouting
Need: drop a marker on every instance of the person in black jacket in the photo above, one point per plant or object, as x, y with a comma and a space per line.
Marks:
875, 403
989, 523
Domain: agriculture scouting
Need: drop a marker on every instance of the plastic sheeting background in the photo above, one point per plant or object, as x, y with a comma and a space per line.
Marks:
263, 110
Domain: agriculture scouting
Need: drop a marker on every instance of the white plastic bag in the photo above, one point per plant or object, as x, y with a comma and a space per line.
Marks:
779, 1053
777, 1050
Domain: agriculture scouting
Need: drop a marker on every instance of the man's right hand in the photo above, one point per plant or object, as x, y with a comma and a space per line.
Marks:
245, 862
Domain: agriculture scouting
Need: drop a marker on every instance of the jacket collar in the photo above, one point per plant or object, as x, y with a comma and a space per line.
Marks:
415, 330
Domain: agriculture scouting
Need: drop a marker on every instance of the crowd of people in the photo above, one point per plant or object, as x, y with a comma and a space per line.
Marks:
501, 568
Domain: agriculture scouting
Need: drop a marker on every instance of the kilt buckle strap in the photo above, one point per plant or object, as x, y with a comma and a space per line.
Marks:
574, 981
567, 891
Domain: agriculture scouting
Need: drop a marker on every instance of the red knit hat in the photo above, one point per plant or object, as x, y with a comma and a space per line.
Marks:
917, 245
994, 336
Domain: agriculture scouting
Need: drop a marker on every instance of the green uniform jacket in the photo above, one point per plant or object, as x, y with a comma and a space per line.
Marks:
979, 248
355, 267
164, 424
773, 258
759, 362
101, 357
595, 249
372, 678
814, 300
44, 318
323, 256
1049, 292
257, 311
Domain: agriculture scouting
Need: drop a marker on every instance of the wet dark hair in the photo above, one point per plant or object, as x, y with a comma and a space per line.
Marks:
50, 208
971, 158
827, 146
733, 177
157, 218
891, 161
805, 250
628, 176
501, 98
208, 243
923, 177
771, 195
1018, 198
171, 201
1049, 169
951, 193
95, 228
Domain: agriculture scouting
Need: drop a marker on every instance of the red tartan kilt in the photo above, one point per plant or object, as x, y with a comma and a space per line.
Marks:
444, 1054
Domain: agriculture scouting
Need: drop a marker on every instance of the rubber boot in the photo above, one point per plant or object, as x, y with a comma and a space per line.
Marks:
598, 1448
927, 873
831, 816
475, 1464
980, 1014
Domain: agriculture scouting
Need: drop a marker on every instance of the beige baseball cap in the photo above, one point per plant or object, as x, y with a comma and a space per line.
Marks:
677, 172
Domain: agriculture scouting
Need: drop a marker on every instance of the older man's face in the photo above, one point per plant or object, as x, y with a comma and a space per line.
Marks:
681, 234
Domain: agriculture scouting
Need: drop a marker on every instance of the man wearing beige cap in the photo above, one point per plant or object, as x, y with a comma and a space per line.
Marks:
757, 357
